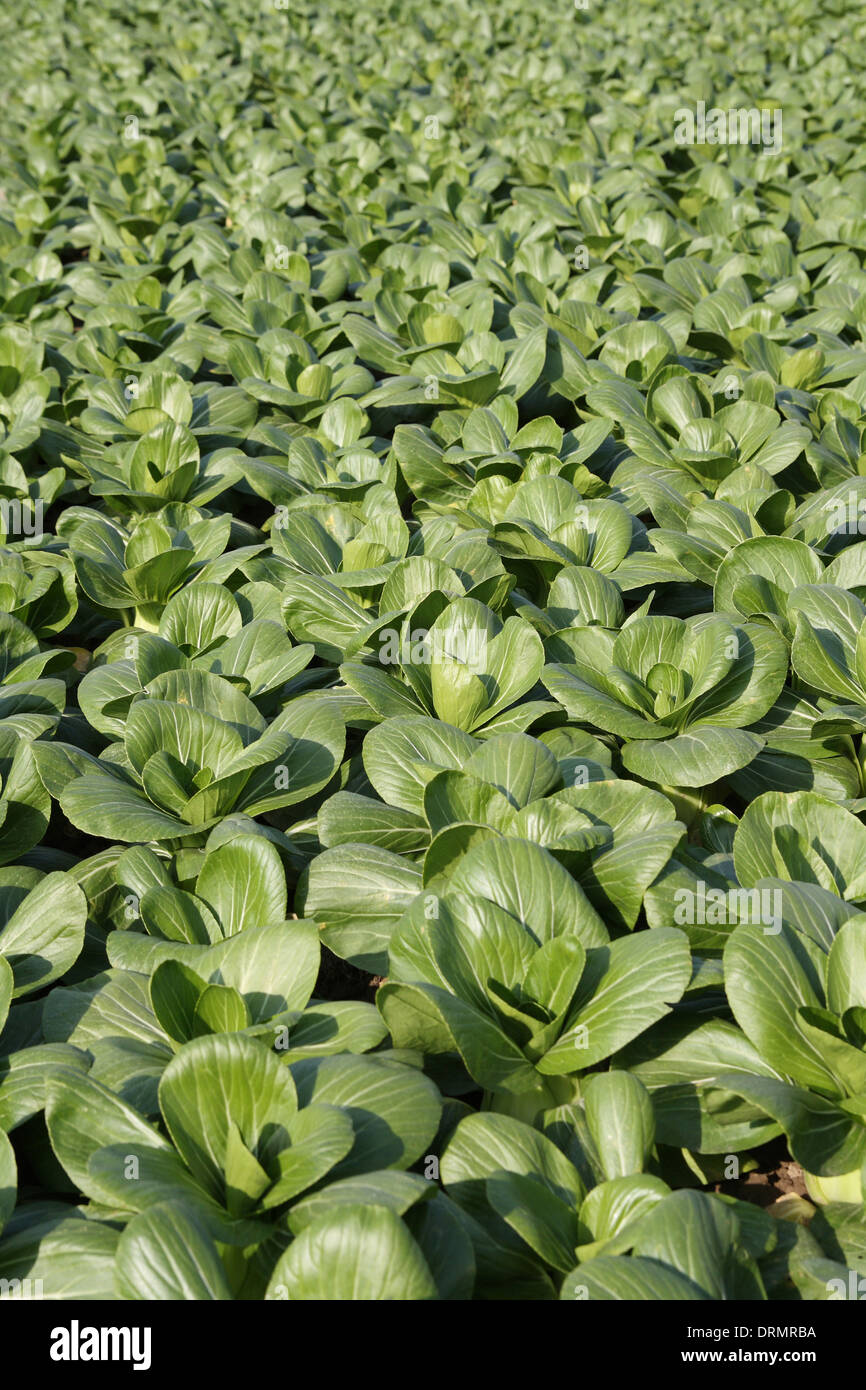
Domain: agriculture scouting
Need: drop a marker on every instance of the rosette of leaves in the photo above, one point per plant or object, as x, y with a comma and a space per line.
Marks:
260, 1160
834, 456
442, 793
194, 750
780, 582
203, 627
525, 1195
25, 386
544, 524
138, 570
469, 554
494, 453
693, 531
468, 668
692, 538
581, 1210
386, 1237
471, 455
282, 369
124, 326
42, 918
804, 751
690, 1246
38, 588
129, 214
799, 992
759, 577
593, 828
426, 349
828, 653
353, 545
164, 441
25, 497
530, 992
832, 519
32, 693
31, 275
680, 693
161, 465
215, 956
388, 596
25, 804
689, 428
503, 454
679, 1061
425, 374
288, 468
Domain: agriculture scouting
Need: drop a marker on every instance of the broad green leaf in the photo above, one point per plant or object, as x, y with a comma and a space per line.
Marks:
533, 887
395, 1109
547, 1225
827, 621
244, 882
802, 836
220, 1009
824, 1138
167, 1252
846, 967
358, 893
319, 1137
389, 1188
625, 988
114, 810
630, 1279
174, 993
402, 755
44, 936
786, 564
66, 1256
357, 1254
521, 767
769, 977
620, 1118
614, 1209
698, 1235
115, 1004
83, 1118
7, 986
24, 1076
692, 759
218, 1081
8, 1179
346, 818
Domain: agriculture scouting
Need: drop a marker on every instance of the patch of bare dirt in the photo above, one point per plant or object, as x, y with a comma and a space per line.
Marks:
338, 979
767, 1185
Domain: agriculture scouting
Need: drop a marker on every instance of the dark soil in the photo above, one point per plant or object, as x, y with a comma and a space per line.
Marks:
778, 1177
339, 980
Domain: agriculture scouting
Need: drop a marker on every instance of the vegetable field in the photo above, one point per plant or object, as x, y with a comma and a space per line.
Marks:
433, 651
